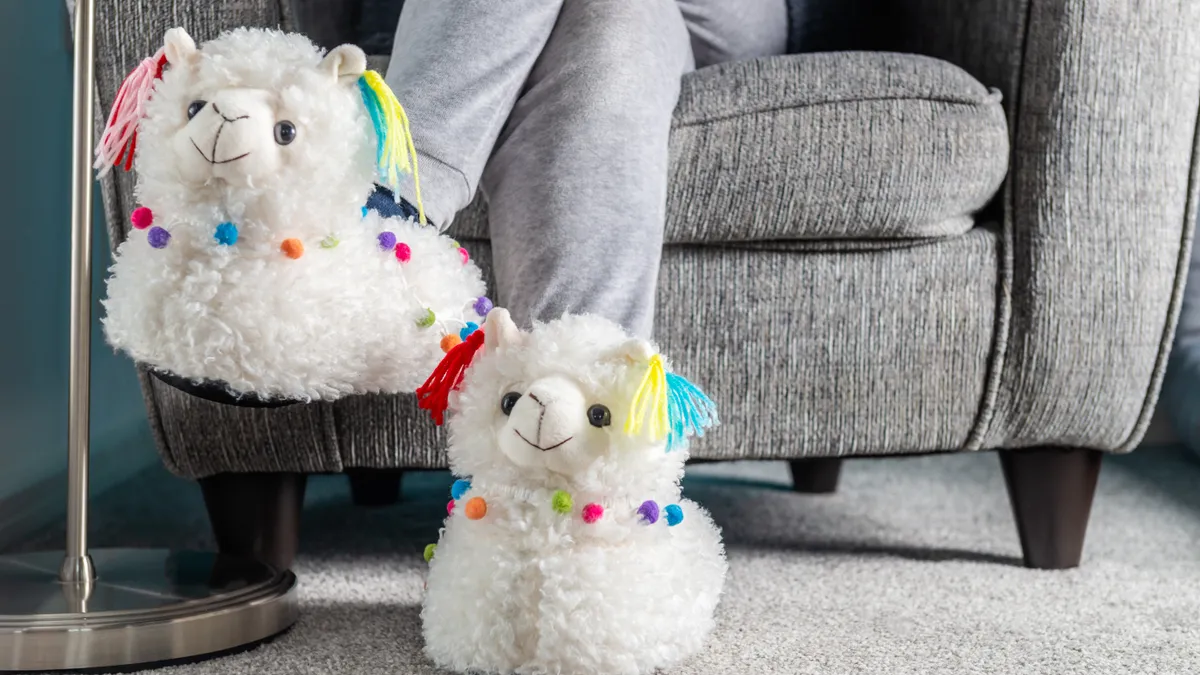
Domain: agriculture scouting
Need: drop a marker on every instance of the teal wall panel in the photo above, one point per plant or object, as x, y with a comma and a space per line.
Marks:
35, 206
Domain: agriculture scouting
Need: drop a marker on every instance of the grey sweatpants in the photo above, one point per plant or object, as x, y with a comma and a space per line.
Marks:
560, 111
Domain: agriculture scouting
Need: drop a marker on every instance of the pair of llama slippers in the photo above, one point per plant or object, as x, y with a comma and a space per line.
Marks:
252, 263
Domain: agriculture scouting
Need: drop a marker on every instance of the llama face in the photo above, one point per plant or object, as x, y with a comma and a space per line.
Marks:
553, 423
547, 406
222, 120
239, 137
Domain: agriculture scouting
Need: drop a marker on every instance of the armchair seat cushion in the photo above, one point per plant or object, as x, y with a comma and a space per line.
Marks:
829, 146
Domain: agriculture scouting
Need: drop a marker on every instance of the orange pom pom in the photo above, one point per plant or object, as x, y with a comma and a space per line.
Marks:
476, 508
450, 342
292, 248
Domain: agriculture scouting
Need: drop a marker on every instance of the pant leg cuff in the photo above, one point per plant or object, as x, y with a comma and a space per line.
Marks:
444, 190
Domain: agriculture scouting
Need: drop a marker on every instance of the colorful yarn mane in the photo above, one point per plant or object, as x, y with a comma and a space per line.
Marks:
434, 395
119, 141
395, 152
667, 405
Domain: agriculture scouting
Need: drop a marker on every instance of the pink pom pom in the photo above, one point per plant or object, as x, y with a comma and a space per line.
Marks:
465, 256
592, 513
450, 507
403, 252
142, 217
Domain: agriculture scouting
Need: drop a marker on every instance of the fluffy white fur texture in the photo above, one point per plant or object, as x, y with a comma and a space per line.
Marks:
337, 320
528, 590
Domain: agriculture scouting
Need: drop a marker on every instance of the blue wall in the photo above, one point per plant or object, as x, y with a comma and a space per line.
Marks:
35, 63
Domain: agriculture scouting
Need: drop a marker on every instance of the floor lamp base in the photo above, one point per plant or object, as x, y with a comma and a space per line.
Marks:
145, 606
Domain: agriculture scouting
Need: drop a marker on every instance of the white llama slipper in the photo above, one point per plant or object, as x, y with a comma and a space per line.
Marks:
253, 262
570, 548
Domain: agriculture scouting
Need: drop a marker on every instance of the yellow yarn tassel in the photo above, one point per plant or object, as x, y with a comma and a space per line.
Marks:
397, 152
649, 407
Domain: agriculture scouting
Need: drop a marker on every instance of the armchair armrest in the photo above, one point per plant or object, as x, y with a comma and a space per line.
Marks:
1100, 207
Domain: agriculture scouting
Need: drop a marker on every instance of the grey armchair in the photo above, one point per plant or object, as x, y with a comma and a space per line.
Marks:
869, 252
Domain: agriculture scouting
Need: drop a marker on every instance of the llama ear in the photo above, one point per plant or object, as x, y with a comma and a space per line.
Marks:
635, 350
179, 47
499, 329
345, 63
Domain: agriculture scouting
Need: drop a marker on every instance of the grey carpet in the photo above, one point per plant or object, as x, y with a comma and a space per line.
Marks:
911, 568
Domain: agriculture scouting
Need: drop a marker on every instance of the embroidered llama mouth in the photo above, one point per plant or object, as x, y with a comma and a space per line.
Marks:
556, 445
223, 161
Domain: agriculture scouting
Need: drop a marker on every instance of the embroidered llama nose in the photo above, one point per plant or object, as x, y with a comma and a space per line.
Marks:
549, 414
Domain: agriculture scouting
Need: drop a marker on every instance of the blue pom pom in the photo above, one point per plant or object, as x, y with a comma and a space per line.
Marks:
460, 488
674, 514
227, 234
364, 212
471, 327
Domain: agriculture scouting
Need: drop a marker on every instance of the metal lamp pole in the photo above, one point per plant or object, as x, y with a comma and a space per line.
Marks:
77, 565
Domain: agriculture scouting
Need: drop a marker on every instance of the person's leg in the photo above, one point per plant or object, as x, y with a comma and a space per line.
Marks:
577, 185
457, 67
724, 31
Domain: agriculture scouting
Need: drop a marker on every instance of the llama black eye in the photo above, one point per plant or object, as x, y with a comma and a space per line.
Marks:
599, 416
195, 107
285, 132
508, 401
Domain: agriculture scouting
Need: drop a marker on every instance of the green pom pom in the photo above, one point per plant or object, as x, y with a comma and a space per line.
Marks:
429, 549
561, 501
427, 320
330, 241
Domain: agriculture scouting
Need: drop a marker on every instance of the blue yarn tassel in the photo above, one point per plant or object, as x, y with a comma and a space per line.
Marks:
371, 102
689, 410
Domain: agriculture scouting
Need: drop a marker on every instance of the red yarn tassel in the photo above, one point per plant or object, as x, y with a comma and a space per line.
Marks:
119, 140
434, 395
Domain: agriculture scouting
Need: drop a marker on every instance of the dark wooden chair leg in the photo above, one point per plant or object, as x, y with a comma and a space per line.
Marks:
256, 514
375, 487
1051, 492
816, 475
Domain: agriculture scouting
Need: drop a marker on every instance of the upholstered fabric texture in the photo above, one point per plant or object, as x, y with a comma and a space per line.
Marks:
1047, 322
790, 377
848, 145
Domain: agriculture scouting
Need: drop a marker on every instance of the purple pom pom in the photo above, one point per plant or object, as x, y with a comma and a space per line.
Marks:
649, 511
158, 237
387, 241
483, 305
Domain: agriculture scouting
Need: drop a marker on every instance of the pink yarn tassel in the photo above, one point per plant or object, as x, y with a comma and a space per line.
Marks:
119, 140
